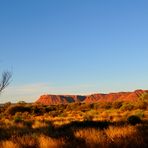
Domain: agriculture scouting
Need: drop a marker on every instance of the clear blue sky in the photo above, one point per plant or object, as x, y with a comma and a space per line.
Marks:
73, 46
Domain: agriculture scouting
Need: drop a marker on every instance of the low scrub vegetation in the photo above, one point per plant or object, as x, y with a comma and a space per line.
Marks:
103, 124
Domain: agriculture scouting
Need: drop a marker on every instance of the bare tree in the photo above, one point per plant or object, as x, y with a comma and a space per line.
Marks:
5, 80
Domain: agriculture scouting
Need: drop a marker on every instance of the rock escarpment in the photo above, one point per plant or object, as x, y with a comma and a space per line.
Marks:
64, 99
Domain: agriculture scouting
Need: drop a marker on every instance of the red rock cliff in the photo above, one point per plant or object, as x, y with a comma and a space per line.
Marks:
63, 99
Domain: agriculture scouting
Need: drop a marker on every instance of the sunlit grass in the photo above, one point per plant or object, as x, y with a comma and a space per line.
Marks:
54, 129
47, 142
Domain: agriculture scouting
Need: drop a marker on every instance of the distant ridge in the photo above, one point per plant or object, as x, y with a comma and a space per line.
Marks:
60, 99
64, 99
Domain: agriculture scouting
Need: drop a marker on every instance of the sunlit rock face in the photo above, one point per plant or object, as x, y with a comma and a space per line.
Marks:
64, 99
59, 99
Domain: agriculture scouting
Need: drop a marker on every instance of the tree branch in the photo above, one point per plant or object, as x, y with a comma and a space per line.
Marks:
5, 80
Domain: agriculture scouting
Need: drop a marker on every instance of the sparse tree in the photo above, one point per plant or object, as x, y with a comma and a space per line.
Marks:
5, 80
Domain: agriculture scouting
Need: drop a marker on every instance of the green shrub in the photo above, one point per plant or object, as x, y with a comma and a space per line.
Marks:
61, 106
62, 114
83, 107
141, 104
28, 124
17, 119
17, 108
105, 105
74, 106
49, 108
96, 106
144, 97
38, 110
127, 106
117, 104
21, 102
133, 120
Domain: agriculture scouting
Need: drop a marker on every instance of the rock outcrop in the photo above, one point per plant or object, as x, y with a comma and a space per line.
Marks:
59, 99
64, 99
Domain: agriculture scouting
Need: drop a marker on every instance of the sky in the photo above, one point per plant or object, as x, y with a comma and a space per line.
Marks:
73, 47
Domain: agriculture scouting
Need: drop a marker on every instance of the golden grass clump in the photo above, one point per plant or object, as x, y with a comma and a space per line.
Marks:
9, 144
39, 124
47, 142
26, 141
120, 132
126, 135
111, 137
92, 137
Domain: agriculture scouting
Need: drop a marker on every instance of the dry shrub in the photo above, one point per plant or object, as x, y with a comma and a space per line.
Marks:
47, 142
104, 114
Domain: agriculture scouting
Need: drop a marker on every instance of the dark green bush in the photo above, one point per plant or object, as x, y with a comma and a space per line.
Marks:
49, 108
17, 119
73, 106
17, 108
38, 110
133, 120
28, 124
